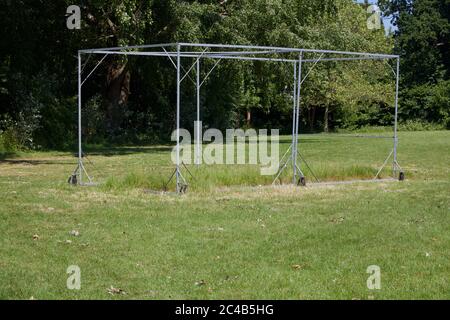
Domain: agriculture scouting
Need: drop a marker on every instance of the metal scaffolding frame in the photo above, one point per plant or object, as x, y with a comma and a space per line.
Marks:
174, 52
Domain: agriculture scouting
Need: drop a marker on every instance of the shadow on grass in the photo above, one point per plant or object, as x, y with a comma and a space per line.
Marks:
36, 162
118, 151
306, 141
6, 154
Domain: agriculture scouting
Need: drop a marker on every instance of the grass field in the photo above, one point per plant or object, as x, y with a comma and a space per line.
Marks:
229, 237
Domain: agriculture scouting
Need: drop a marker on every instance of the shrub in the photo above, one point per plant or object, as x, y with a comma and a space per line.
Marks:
428, 102
16, 134
419, 125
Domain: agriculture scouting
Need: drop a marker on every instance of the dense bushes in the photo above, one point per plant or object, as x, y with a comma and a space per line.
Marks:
131, 100
427, 102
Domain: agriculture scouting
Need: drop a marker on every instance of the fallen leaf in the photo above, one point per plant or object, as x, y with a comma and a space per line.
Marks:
151, 293
223, 199
337, 220
74, 233
200, 283
113, 291
35, 237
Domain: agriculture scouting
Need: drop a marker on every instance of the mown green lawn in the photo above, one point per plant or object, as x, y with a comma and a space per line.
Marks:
225, 239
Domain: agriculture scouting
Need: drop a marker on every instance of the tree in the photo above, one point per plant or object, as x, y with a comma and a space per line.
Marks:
130, 99
422, 41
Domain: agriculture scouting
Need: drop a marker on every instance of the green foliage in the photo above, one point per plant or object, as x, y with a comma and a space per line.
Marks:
93, 120
38, 67
428, 102
408, 125
422, 40
419, 125
41, 117
15, 134
439, 100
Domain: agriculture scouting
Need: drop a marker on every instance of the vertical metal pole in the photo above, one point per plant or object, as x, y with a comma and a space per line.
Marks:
294, 111
299, 81
198, 114
178, 119
80, 152
394, 163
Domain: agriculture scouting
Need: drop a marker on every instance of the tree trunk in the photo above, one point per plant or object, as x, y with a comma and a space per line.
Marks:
325, 120
248, 118
117, 93
312, 118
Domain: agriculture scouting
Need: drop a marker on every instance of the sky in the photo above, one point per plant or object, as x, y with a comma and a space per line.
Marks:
386, 21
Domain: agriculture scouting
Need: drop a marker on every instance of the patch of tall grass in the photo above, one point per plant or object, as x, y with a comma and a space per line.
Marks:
208, 177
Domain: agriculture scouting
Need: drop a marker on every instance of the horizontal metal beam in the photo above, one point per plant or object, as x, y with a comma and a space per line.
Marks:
145, 46
183, 44
213, 56
229, 46
221, 56
236, 53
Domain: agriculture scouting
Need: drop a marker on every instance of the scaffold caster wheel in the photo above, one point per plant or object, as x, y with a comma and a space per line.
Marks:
301, 181
183, 188
72, 179
401, 176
